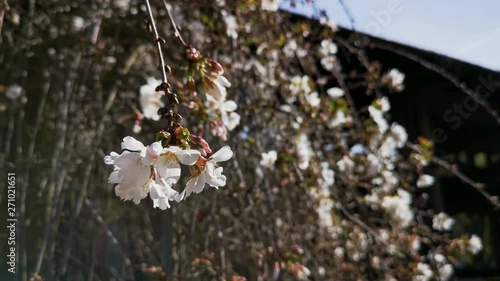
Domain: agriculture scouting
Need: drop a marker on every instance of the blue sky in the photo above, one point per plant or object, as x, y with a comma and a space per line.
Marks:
462, 29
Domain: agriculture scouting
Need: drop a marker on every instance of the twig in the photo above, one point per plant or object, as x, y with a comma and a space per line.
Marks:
177, 34
348, 96
456, 171
348, 14
368, 229
158, 41
441, 71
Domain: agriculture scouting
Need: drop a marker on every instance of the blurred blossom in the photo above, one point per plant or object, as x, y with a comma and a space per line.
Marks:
335, 92
340, 118
313, 99
425, 181
268, 159
399, 134
475, 244
150, 99
395, 78
416, 245
373, 164
327, 174
442, 222
270, 5
14, 92
321, 271
329, 62
329, 22
423, 272
300, 271
291, 49
304, 151
339, 253
225, 109
231, 24
445, 272
377, 115
327, 47
345, 164
121, 4
384, 104
398, 207
78, 23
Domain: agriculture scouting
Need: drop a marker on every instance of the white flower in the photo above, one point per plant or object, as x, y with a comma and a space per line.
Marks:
384, 104
270, 5
398, 207
161, 193
340, 118
313, 99
290, 48
339, 253
438, 258
373, 164
226, 109
211, 174
378, 116
442, 222
268, 159
122, 4
14, 92
150, 99
217, 87
78, 23
445, 272
328, 62
424, 272
304, 151
335, 92
299, 84
388, 147
328, 22
324, 210
301, 271
399, 134
425, 181
416, 245
396, 79
321, 271
327, 174
231, 24
475, 244
140, 170
345, 164
328, 47
168, 166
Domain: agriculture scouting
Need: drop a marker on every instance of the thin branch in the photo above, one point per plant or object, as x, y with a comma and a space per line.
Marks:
348, 14
158, 41
456, 171
441, 71
177, 34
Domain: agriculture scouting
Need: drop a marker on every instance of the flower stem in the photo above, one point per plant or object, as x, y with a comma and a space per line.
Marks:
158, 41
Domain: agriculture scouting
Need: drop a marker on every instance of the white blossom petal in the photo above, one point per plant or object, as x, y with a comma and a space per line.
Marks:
223, 154
132, 144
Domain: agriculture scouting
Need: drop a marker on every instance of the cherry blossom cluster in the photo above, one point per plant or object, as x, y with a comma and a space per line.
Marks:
154, 169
